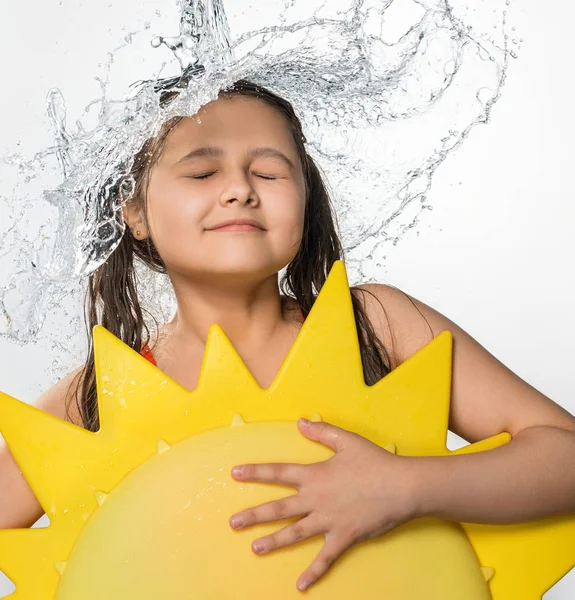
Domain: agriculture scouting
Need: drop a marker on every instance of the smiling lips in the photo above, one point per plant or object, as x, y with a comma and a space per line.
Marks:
243, 225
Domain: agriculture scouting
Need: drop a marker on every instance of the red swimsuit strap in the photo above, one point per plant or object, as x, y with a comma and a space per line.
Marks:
147, 353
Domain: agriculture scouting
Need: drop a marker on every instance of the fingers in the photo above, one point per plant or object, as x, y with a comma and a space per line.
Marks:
292, 534
281, 473
330, 552
284, 508
328, 435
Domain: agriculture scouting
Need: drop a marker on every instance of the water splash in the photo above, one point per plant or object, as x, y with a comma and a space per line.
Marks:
381, 110
204, 36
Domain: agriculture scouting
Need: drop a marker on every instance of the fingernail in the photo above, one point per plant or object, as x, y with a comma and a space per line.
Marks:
237, 471
302, 586
237, 521
305, 422
258, 547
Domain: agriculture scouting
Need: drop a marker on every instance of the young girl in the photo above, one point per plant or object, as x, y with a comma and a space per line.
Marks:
222, 204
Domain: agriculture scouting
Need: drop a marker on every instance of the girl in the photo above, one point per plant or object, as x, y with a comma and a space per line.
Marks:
222, 204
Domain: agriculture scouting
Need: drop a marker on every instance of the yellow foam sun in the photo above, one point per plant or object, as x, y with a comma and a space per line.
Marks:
140, 509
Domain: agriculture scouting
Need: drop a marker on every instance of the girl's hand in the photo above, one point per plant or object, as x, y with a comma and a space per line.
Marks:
361, 492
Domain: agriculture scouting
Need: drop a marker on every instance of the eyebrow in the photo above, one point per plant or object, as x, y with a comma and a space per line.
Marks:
213, 152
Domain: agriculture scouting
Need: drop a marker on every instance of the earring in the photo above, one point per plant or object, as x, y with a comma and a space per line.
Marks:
138, 233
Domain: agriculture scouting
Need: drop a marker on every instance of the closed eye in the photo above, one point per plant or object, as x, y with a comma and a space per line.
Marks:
206, 175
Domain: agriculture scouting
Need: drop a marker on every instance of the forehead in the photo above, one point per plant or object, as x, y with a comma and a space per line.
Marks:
233, 122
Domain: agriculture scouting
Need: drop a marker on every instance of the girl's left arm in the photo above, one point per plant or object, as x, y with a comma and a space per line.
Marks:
531, 477
362, 491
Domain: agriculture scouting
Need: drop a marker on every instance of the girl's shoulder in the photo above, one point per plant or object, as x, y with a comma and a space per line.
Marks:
62, 399
403, 324
486, 396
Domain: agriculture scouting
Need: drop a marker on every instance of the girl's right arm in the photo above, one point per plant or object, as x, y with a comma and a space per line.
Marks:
18, 504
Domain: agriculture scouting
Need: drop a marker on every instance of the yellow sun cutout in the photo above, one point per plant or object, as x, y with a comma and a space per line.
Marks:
140, 509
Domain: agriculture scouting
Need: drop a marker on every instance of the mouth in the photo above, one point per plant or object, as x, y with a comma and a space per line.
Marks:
242, 228
241, 225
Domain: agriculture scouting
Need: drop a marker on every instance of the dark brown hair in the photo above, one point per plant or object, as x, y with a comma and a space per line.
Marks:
112, 298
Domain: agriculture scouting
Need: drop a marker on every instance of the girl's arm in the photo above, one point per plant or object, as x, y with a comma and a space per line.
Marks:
362, 491
531, 477
19, 507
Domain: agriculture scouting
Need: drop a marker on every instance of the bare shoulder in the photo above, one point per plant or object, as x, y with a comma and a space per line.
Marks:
63, 398
486, 397
398, 320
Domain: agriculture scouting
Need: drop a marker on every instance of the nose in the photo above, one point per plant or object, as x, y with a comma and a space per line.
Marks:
239, 188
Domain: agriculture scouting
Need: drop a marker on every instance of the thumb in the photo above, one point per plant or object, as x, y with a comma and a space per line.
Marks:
328, 435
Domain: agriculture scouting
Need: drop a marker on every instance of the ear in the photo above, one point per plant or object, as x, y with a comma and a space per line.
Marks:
134, 219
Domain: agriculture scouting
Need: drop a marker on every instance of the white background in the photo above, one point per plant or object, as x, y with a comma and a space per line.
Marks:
496, 253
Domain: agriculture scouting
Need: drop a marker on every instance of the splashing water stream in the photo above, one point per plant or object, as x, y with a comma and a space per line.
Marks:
381, 111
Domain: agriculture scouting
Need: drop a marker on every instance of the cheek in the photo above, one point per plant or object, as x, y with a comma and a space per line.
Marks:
174, 214
289, 220
295, 213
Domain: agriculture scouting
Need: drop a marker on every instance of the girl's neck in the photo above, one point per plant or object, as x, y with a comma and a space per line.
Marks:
249, 315
179, 353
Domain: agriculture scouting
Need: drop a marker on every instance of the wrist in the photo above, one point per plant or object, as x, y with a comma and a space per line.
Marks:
417, 496
421, 488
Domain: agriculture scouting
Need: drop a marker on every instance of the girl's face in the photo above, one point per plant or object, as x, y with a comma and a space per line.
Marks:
235, 160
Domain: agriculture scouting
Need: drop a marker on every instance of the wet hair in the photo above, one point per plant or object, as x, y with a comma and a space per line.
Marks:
112, 298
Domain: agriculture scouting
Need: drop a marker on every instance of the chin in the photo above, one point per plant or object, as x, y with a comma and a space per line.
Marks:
244, 267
